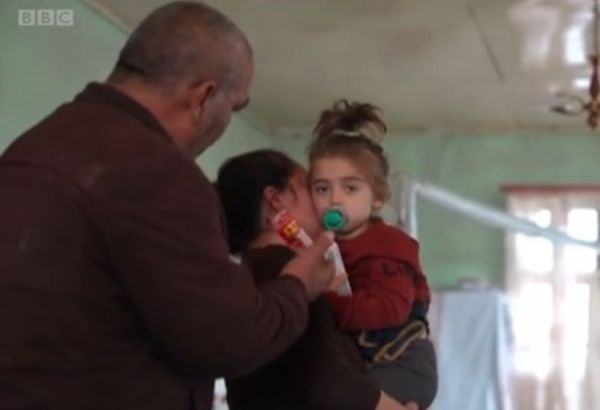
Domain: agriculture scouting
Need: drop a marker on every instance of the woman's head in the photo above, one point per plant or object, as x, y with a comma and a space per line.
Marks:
253, 187
348, 167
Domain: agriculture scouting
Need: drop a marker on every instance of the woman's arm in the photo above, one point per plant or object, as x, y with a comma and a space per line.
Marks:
319, 367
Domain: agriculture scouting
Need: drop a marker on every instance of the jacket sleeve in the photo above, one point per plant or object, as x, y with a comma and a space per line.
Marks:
383, 300
203, 310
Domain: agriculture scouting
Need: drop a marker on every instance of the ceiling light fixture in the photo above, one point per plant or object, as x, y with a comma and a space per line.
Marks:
576, 104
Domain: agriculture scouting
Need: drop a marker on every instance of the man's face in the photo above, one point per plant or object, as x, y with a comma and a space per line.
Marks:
218, 108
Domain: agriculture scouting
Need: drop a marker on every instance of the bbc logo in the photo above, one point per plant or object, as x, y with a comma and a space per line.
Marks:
46, 17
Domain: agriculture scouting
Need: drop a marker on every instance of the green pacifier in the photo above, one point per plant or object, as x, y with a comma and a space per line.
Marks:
335, 219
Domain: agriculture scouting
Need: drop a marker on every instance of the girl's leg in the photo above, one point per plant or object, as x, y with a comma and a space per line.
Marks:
413, 377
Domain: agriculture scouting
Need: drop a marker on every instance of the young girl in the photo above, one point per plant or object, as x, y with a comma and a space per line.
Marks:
386, 312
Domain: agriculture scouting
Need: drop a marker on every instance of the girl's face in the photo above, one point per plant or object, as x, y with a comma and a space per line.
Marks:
337, 182
296, 199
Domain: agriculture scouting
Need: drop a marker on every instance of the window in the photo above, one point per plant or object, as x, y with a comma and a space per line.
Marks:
549, 289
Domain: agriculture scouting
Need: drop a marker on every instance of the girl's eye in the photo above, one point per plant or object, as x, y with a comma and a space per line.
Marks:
320, 190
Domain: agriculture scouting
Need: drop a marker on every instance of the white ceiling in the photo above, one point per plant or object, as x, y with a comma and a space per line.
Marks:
454, 66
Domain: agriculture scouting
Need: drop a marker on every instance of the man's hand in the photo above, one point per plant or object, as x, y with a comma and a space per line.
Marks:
311, 267
387, 403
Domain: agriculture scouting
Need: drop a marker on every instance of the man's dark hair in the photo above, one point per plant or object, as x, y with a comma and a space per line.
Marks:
184, 42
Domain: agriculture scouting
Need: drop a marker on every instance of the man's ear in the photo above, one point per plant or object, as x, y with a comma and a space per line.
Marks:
272, 198
198, 94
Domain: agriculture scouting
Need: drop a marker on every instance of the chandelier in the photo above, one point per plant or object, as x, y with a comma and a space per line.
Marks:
577, 105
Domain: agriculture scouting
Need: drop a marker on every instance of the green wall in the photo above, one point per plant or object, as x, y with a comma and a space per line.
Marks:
42, 67
452, 246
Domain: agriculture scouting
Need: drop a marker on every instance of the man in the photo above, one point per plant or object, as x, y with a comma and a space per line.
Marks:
116, 291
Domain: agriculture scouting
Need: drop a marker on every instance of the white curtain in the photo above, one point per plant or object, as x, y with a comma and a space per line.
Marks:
592, 376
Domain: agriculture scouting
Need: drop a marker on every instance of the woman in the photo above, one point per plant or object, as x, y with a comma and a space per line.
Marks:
323, 369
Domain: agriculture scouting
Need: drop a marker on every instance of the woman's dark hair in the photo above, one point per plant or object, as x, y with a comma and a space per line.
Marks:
240, 183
